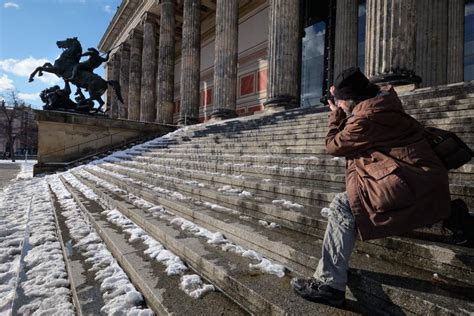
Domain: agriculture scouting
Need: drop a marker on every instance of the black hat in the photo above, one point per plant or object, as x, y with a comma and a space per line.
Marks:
351, 83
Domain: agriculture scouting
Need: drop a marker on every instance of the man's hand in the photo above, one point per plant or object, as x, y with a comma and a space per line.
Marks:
332, 106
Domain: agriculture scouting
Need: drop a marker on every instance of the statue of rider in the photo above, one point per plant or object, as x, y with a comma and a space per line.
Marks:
94, 61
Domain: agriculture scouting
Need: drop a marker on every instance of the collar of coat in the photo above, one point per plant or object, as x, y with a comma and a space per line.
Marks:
386, 101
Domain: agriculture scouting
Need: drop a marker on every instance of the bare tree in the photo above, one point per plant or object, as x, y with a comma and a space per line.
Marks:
11, 111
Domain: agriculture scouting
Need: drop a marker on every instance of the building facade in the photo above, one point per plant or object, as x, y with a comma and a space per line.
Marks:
186, 61
20, 123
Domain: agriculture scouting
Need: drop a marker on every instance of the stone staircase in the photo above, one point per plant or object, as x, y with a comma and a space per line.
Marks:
262, 182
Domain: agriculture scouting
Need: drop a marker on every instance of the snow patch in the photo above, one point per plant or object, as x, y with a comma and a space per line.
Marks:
288, 205
119, 294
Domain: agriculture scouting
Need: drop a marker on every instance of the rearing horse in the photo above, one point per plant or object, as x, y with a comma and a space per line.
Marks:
64, 65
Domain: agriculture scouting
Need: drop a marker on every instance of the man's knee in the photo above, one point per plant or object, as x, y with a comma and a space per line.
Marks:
341, 212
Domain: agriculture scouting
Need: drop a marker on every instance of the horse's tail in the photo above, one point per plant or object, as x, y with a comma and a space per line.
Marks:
118, 91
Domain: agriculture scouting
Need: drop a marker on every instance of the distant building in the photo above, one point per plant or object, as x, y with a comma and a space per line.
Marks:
24, 132
191, 60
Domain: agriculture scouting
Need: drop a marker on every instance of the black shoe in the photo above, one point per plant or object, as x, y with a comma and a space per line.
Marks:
316, 291
460, 224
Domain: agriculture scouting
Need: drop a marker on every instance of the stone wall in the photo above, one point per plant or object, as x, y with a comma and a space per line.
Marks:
66, 137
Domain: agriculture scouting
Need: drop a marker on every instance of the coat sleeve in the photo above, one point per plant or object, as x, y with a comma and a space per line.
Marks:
347, 139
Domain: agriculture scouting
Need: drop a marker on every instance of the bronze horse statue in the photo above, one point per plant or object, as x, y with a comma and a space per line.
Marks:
63, 67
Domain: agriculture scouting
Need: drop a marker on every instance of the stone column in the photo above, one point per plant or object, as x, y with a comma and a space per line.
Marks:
190, 62
431, 41
135, 74
108, 75
147, 94
225, 60
165, 84
124, 79
455, 41
283, 51
347, 22
114, 102
390, 41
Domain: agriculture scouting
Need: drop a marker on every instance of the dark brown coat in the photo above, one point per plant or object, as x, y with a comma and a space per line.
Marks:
394, 181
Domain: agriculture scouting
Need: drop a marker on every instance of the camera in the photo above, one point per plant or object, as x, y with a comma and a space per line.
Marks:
325, 99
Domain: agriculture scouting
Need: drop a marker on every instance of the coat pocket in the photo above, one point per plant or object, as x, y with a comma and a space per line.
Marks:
385, 186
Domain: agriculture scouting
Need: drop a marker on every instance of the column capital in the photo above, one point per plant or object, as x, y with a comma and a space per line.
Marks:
125, 46
135, 34
149, 17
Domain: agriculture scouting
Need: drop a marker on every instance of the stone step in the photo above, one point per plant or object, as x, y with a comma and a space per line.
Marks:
305, 131
300, 175
319, 126
286, 139
225, 175
309, 196
261, 294
308, 221
267, 175
270, 146
383, 283
86, 294
318, 193
161, 291
248, 150
433, 110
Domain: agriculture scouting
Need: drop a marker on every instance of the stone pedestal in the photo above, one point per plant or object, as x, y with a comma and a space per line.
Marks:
124, 79
431, 42
455, 71
390, 41
345, 51
225, 60
190, 62
283, 51
114, 101
135, 74
64, 139
165, 81
147, 94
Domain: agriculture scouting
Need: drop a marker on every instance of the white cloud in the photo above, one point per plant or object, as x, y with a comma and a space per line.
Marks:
108, 9
8, 5
24, 67
29, 96
6, 83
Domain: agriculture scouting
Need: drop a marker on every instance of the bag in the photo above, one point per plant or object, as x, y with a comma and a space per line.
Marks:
449, 148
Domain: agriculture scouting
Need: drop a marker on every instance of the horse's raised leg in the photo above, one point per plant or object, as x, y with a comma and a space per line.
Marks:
46, 65
33, 74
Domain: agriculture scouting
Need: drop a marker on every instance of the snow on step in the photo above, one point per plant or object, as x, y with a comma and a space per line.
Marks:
288, 205
216, 238
118, 293
174, 264
14, 207
32, 269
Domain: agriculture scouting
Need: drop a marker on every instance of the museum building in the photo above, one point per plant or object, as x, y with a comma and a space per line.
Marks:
187, 61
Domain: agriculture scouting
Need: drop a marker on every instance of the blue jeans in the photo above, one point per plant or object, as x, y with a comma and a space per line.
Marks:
338, 243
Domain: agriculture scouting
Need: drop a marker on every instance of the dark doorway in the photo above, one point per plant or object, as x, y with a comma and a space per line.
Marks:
317, 50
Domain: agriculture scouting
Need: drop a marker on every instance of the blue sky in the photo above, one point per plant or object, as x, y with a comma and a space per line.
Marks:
29, 30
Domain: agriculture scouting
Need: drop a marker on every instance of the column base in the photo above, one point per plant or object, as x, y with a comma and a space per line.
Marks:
223, 114
281, 103
187, 121
396, 79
